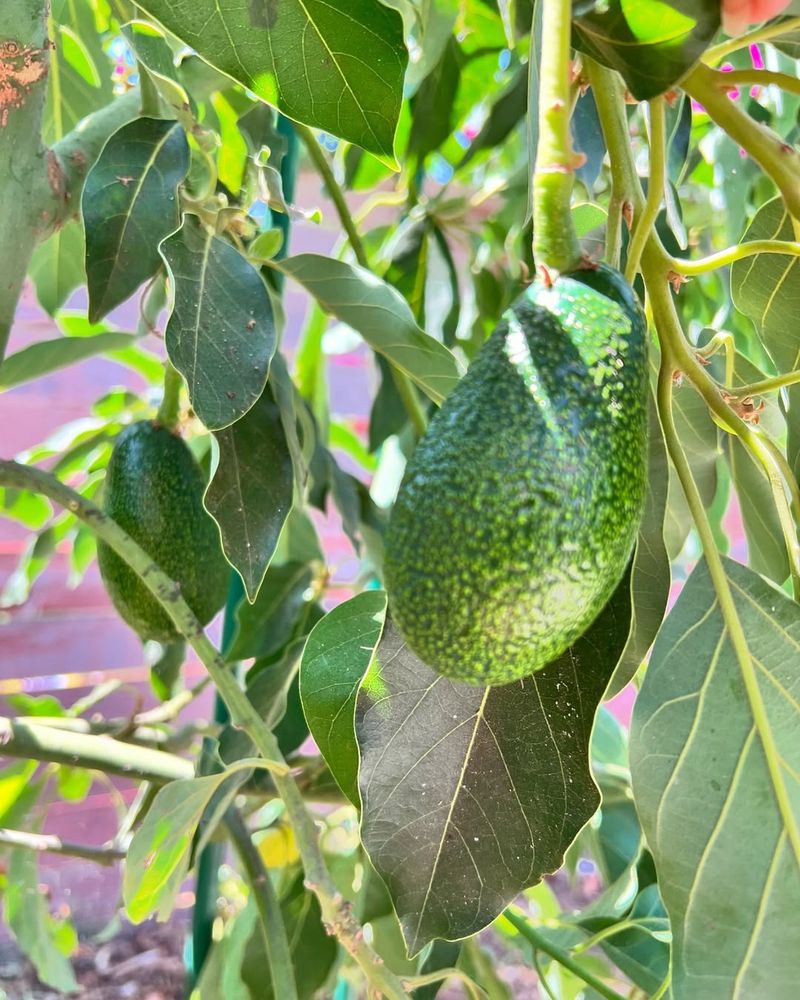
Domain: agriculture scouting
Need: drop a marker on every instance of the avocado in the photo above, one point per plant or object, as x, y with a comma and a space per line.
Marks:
518, 511
154, 490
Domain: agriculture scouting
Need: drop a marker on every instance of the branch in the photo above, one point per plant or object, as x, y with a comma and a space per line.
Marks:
99, 753
55, 845
717, 53
692, 268
655, 188
335, 913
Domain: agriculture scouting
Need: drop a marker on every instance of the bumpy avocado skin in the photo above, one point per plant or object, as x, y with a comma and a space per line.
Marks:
154, 490
519, 509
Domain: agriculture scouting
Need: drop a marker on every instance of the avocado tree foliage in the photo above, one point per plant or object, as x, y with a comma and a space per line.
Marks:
464, 146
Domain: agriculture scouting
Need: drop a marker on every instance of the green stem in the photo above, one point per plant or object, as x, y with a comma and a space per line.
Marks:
276, 943
658, 290
692, 268
169, 410
55, 845
763, 78
242, 713
405, 387
645, 222
411, 402
777, 159
676, 353
717, 53
323, 167
541, 943
555, 243
33, 741
767, 385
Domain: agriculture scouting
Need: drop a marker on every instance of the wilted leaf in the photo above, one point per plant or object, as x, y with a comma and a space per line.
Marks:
221, 334
471, 794
129, 205
381, 315
337, 65
338, 653
250, 493
722, 824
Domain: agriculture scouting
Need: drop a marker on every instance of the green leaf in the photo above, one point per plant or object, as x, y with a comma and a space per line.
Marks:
57, 268
221, 973
264, 626
221, 334
652, 43
35, 930
49, 355
766, 288
80, 79
337, 655
708, 803
251, 489
129, 205
650, 579
700, 439
158, 858
381, 315
337, 65
471, 794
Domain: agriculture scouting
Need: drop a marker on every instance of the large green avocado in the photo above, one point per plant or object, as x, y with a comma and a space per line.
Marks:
154, 490
519, 509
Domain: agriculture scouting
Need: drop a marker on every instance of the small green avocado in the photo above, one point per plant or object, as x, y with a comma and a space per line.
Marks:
154, 490
520, 506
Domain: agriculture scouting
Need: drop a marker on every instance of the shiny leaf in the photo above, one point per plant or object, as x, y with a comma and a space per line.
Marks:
221, 335
129, 205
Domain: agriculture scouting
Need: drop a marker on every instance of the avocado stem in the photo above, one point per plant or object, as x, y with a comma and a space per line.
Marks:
169, 410
555, 242
643, 225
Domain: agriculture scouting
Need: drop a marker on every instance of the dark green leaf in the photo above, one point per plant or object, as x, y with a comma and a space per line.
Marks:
308, 58
653, 43
268, 686
505, 114
382, 317
129, 205
338, 653
724, 848
471, 794
56, 267
49, 355
250, 493
221, 334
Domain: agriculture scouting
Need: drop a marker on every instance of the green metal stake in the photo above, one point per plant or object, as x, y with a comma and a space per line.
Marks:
207, 883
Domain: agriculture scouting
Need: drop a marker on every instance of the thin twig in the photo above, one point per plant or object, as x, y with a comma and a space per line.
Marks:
55, 845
